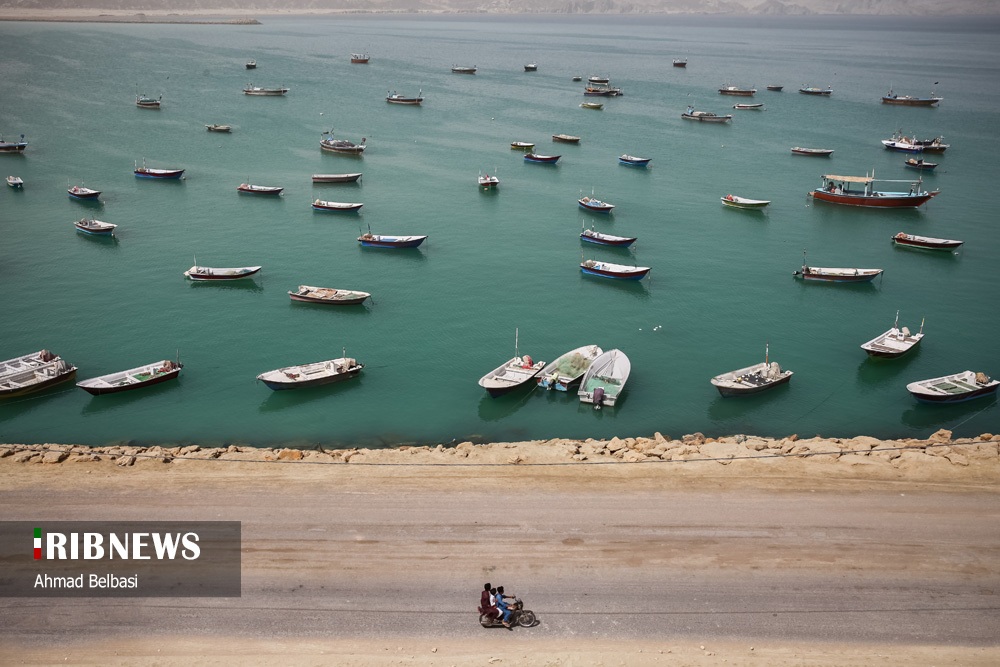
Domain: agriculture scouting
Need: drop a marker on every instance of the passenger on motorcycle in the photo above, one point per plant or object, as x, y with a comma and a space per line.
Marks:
487, 602
502, 606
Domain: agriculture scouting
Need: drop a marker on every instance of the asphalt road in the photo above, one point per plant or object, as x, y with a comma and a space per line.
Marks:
388, 558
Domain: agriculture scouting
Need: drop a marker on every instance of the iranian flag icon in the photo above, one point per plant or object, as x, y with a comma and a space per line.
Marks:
38, 543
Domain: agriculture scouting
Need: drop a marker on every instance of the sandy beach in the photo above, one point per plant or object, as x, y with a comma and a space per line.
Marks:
766, 533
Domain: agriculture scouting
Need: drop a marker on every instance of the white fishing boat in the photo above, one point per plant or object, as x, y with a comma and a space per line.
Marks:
752, 379
895, 342
95, 227
742, 202
512, 374
15, 182
955, 388
134, 378
568, 368
312, 374
33, 372
604, 381
336, 206
335, 178
208, 273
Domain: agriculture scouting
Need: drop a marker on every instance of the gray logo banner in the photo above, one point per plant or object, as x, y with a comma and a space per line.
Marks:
120, 558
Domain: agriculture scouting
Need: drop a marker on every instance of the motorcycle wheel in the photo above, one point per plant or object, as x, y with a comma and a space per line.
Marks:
526, 619
485, 621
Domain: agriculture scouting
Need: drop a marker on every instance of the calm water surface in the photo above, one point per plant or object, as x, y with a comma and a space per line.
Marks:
721, 283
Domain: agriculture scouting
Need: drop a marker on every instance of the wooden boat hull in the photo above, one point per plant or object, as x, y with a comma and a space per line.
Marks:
775, 89
152, 379
754, 383
148, 105
566, 138
260, 190
542, 159
813, 152
604, 381
358, 298
568, 369
410, 101
205, 275
392, 242
885, 200
13, 147
95, 231
218, 128
738, 92
327, 207
893, 344
706, 119
343, 149
742, 202
608, 240
84, 194
511, 376
680, 63
159, 173
463, 70
265, 92
521, 146
920, 166
924, 242
634, 162
271, 379
623, 273
335, 178
956, 388
35, 376
907, 101
815, 91
826, 275
596, 207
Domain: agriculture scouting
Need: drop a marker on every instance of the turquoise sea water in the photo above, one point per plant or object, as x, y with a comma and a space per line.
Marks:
721, 282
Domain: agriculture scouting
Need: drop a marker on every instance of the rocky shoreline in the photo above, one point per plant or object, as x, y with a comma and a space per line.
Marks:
939, 454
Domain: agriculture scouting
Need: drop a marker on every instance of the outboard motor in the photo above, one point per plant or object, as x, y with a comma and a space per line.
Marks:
598, 397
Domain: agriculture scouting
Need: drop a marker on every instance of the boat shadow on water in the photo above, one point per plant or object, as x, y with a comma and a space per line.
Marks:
238, 285
929, 418
933, 255
111, 402
108, 241
398, 254
877, 372
494, 409
640, 289
353, 310
282, 400
724, 409
750, 213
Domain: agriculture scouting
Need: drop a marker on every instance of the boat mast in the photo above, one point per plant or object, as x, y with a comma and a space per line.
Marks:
767, 345
921, 325
515, 343
895, 325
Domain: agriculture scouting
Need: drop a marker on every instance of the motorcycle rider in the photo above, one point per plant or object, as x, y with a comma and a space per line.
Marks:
501, 600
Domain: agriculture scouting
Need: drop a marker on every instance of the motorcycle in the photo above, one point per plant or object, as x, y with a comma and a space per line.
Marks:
518, 616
